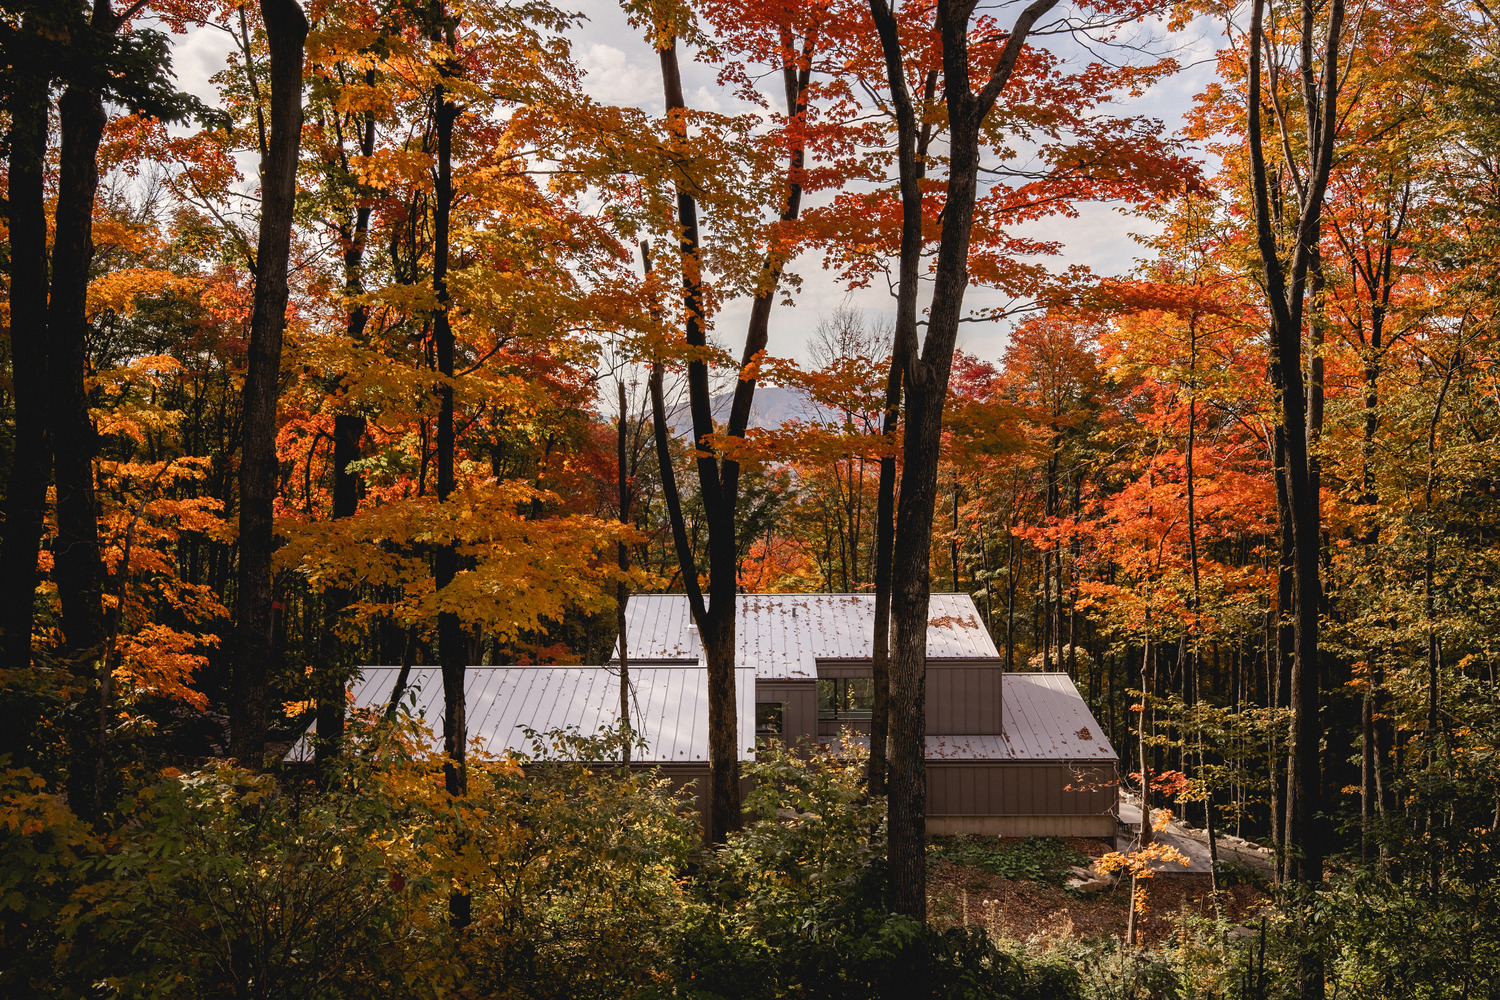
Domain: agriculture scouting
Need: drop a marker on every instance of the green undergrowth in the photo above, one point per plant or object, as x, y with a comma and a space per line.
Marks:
1035, 859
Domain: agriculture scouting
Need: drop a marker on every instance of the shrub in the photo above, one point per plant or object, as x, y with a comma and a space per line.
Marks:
794, 905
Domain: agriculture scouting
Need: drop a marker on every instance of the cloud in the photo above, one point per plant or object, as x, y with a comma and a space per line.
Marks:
611, 77
197, 56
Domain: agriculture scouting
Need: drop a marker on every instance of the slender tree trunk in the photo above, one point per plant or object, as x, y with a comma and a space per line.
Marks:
1286, 287
336, 665
715, 619
348, 431
953, 543
452, 642
719, 479
622, 591
77, 568
1367, 762
885, 537
926, 385
1143, 730
1013, 571
912, 158
286, 30
31, 469
1282, 652
1429, 600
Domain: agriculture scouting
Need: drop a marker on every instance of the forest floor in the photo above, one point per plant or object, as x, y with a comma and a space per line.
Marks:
1017, 889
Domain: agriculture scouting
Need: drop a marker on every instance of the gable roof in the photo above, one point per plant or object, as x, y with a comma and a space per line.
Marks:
670, 706
1045, 719
782, 636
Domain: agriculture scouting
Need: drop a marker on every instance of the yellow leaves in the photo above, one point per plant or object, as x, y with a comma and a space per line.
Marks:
161, 661
112, 230
131, 388
117, 290
394, 169
521, 569
1143, 863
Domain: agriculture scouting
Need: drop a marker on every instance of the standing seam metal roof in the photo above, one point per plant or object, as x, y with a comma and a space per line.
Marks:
783, 635
670, 705
1044, 719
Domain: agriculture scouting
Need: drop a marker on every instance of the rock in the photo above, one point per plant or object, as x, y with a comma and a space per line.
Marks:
1089, 885
1078, 871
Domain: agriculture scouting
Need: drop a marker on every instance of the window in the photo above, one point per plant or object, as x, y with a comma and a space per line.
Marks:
845, 697
768, 718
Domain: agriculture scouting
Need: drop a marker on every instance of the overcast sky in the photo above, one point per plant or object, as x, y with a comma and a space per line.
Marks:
622, 69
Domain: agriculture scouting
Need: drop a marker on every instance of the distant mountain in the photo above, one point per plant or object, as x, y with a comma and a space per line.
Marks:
771, 407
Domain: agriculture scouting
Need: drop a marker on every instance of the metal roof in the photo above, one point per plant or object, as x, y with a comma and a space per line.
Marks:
1045, 719
782, 636
670, 705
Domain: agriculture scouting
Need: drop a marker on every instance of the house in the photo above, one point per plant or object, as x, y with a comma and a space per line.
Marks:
1008, 754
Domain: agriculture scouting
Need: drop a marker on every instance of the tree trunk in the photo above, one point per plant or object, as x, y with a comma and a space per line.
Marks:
254, 651
926, 386
718, 479
336, 664
885, 536
77, 568
1286, 287
1282, 651
622, 592
348, 430
26, 493
453, 647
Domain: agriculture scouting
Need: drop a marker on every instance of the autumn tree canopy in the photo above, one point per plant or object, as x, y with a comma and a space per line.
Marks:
406, 348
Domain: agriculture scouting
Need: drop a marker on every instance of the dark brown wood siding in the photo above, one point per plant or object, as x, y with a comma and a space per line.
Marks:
987, 788
964, 699
963, 696
799, 718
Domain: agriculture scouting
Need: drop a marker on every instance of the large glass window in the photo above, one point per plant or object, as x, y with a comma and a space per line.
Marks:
845, 697
768, 718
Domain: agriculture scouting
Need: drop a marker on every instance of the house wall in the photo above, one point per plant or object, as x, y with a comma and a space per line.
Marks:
964, 698
800, 716
983, 797
829, 728
1021, 799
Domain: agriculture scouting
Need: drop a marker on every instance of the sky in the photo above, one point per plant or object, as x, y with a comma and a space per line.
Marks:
621, 68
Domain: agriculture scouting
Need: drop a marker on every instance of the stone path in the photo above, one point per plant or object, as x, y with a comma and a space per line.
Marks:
1193, 843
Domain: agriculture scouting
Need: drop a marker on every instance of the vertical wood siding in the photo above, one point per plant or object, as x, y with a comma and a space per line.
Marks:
964, 699
799, 718
989, 789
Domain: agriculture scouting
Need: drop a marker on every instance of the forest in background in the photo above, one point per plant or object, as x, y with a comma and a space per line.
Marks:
376, 359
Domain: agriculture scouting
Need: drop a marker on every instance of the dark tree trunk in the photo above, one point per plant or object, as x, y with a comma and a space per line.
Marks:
77, 568
718, 479
1286, 289
452, 640
254, 652
912, 147
26, 493
348, 431
622, 590
715, 618
880, 650
926, 385
1282, 651
453, 646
